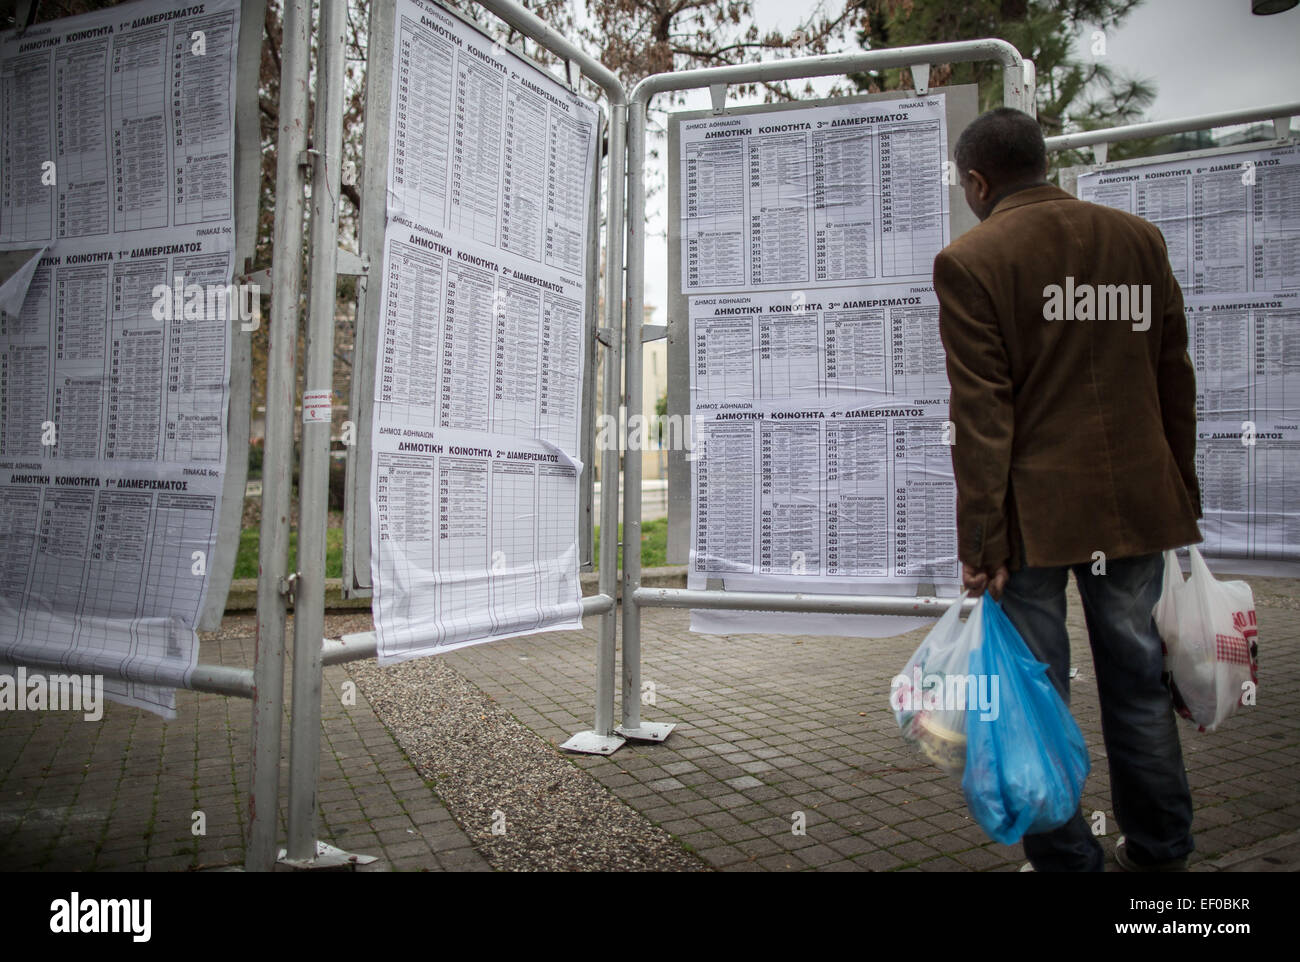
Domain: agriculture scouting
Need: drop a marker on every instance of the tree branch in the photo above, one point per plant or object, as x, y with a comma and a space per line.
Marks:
272, 46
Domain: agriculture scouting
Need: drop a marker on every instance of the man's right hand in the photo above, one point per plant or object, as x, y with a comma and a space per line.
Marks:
976, 582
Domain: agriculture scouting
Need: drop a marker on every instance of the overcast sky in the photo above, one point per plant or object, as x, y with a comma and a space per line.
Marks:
1205, 56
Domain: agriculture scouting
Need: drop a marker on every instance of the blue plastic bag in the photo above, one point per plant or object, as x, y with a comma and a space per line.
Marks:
1026, 761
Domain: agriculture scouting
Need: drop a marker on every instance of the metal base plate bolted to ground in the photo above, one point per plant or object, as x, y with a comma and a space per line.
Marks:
327, 856
589, 743
647, 732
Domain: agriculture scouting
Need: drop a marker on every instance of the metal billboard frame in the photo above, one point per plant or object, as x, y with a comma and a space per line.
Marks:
1017, 91
311, 653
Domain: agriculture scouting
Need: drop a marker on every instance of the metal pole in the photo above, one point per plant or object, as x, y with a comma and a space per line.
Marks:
589, 385
1028, 88
364, 644
217, 679
926, 607
224, 680
1014, 94
272, 584
1159, 128
632, 323
963, 51
632, 726
313, 476
609, 483
531, 25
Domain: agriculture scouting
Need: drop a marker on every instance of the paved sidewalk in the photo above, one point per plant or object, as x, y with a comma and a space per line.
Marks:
768, 726
120, 794
773, 725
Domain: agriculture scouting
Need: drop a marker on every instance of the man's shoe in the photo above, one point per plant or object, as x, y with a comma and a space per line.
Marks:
1027, 867
1126, 862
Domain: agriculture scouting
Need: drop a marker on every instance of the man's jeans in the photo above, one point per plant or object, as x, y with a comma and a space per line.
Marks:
1148, 783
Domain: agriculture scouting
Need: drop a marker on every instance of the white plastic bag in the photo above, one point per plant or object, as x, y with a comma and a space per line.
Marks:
918, 694
1208, 629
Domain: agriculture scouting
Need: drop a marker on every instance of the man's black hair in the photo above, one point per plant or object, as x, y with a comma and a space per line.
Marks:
1005, 145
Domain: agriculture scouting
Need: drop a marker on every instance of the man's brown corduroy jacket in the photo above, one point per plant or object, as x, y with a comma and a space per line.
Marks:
1069, 436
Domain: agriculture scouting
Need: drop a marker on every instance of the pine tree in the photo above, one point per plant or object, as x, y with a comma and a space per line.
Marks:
1076, 87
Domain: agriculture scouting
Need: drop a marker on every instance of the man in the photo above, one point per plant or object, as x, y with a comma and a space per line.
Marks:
1073, 446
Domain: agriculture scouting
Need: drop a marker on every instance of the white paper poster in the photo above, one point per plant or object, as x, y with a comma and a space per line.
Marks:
1232, 227
835, 473
1231, 223
844, 194
117, 140
119, 124
821, 459
822, 448
1247, 355
474, 493
476, 542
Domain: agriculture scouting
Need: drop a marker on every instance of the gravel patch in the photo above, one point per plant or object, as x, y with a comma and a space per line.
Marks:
492, 771
1272, 592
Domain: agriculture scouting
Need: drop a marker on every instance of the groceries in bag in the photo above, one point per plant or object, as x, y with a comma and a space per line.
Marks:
1210, 638
1026, 762
921, 695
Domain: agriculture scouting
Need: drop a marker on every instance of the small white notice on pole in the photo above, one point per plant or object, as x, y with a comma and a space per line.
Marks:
316, 406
